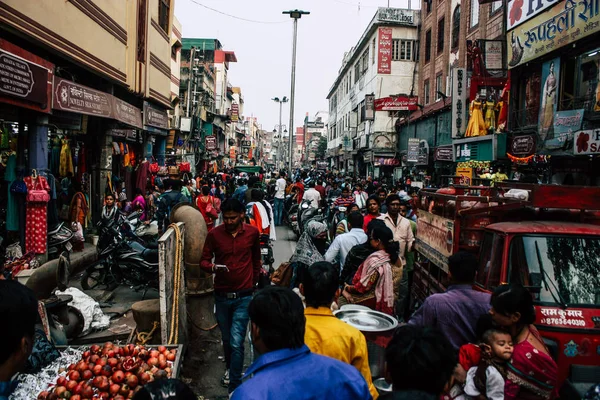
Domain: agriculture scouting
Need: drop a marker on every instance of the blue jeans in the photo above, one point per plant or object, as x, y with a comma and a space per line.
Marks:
278, 211
232, 317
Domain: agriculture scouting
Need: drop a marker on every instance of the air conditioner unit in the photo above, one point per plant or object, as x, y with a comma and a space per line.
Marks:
175, 121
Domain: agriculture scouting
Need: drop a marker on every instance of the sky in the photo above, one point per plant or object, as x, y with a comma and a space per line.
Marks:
264, 48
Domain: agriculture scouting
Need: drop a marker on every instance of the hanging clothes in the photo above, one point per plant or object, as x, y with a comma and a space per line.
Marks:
66, 159
141, 175
55, 156
476, 125
81, 168
53, 218
12, 206
36, 228
490, 115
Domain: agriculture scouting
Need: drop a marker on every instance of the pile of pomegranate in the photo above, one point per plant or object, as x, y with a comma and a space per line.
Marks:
111, 372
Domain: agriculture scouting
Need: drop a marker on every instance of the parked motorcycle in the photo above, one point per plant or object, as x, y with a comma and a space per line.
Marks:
121, 261
59, 240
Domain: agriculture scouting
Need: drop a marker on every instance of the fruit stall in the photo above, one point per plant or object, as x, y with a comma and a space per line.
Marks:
100, 371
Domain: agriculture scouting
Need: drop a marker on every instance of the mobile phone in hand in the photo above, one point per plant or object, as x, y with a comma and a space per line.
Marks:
221, 267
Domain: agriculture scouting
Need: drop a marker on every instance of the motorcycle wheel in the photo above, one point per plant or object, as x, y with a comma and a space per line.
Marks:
96, 279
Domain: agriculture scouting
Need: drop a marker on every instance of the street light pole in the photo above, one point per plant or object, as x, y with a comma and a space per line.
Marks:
280, 147
296, 15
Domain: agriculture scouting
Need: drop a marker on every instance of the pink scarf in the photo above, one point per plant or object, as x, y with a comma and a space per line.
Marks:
384, 287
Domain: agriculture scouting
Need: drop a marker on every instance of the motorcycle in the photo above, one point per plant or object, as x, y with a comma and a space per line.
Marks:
59, 240
121, 261
266, 254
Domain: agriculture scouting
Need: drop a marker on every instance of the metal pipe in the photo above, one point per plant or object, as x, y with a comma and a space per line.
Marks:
189, 91
46, 278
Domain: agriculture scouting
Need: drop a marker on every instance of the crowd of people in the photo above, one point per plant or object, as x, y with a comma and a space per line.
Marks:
459, 344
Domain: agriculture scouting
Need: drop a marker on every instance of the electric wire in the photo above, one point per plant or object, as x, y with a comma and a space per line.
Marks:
236, 17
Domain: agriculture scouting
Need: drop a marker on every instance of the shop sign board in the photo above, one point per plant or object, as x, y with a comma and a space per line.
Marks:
522, 145
23, 79
587, 142
493, 54
128, 134
73, 97
568, 121
466, 175
377, 161
459, 98
246, 143
384, 55
235, 112
435, 237
210, 142
443, 153
413, 150
155, 116
565, 23
369, 107
397, 103
520, 11
397, 16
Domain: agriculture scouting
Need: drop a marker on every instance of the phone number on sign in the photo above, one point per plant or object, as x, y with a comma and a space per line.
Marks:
562, 321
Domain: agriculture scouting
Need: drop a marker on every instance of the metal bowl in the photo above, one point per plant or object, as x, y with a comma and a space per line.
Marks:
382, 386
367, 320
354, 307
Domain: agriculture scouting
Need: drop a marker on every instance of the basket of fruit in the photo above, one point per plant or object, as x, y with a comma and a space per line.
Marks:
106, 371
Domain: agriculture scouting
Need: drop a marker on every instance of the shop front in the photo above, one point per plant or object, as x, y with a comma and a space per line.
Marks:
555, 67
475, 157
25, 98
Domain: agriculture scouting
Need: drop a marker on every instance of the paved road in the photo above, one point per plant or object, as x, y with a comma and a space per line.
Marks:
203, 365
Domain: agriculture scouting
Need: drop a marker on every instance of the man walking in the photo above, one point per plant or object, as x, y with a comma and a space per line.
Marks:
286, 368
237, 262
169, 199
325, 334
313, 195
280, 186
399, 225
342, 244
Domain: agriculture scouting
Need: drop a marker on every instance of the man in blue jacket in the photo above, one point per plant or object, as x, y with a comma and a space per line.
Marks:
287, 369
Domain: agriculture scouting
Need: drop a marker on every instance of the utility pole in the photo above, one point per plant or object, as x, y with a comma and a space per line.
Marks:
191, 74
280, 128
296, 15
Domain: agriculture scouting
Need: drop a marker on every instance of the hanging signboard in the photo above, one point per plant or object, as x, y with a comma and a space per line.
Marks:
520, 11
397, 103
522, 145
413, 150
155, 116
397, 16
443, 153
384, 55
246, 143
493, 52
459, 98
466, 175
369, 107
125, 112
587, 142
235, 112
210, 142
23, 79
565, 23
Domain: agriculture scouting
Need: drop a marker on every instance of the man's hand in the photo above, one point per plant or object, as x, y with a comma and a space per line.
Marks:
348, 296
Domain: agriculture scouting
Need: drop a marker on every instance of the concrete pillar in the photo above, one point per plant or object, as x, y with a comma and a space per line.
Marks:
160, 147
148, 147
103, 172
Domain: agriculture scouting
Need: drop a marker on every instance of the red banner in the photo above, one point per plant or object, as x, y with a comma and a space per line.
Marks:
400, 103
384, 56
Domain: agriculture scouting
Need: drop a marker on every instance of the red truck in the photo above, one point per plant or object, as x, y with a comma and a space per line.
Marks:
545, 237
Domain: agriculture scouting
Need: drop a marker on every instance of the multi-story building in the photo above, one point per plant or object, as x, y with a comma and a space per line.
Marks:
315, 130
96, 74
210, 97
455, 37
377, 80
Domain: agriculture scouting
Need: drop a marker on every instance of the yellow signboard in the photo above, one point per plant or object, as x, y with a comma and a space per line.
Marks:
466, 175
563, 24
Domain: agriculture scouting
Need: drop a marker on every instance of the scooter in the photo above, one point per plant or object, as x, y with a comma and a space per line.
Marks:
59, 240
121, 261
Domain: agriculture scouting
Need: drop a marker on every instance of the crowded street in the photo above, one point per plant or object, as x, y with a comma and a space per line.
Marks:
248, 200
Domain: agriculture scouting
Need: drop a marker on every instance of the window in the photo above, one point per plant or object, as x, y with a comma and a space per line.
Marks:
373, 51
428, 5
426, 91
455, 27
490, 263
356, 71
365, 62
495, 7
474, 13
439, 88
164, 7
141, 32
428, 45
402, 50
440, 38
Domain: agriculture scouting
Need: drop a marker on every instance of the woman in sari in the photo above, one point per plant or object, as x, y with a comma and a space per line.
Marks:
373, 284
208, 207
139, 203
532, 373
311, 248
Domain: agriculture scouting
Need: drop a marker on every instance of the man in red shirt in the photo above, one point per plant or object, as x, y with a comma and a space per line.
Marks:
298, 187
321, 189
237, 262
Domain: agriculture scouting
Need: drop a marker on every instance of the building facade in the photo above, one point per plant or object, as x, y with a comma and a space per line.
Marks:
94, 84
377, 80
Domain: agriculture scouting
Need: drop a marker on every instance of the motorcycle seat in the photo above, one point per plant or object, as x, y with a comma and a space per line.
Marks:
149, 255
